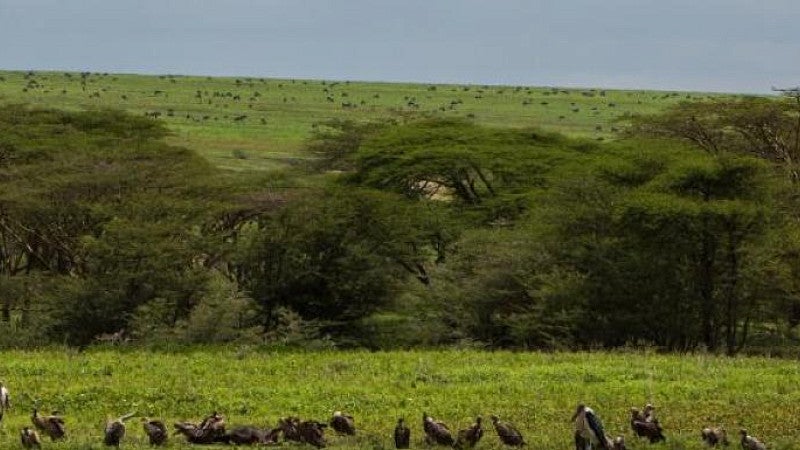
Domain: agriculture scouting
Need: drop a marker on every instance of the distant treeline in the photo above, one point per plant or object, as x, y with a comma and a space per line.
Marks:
683, 234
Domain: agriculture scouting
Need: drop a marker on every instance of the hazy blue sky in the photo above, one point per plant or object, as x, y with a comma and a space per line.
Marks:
716, 45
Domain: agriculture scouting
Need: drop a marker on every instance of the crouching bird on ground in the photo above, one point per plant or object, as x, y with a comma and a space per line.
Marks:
156, 431
436, 432
468, 437
52, 425
507, 433
751, 443
115, 430
30, 438
343, 423
714, 436
589, 431
643, 427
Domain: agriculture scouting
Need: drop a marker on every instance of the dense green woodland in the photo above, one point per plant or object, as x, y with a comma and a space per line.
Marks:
681, 234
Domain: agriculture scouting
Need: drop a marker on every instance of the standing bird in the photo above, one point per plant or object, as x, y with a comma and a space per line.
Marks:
714, 435
402, 434
53, 425
751, 443
507, 433
343, 423
115, 430
156, 431
5, 398
468, 437
589, 430
436, 432
312, 432
30, 438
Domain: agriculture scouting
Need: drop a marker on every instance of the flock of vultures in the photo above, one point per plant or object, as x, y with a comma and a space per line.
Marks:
589, 433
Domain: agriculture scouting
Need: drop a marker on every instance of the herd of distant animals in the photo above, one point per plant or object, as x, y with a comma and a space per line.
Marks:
589, 433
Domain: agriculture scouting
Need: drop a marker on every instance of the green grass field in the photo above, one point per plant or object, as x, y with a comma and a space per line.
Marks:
256, 123
536, 391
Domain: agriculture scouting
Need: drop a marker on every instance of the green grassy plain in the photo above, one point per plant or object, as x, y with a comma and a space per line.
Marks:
536, 391
261, 124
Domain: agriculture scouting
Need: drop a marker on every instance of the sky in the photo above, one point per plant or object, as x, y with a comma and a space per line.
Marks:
743, 46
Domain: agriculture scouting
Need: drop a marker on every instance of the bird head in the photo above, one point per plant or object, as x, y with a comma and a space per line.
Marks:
478, 420
337, 414
581, 408
494, 418
743, 432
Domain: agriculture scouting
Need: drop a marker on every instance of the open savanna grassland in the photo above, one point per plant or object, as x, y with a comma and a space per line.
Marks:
536, 391
248, 123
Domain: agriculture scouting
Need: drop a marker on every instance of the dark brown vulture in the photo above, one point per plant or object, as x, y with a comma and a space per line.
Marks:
52, 425
468, 437
214, 423
312, 432
714, 436
402, 434
507, 433
249, 435
436, 432
751, 443
115, 430
196, 435
343, 423
156, 431
30, 438
288, 426
650, 429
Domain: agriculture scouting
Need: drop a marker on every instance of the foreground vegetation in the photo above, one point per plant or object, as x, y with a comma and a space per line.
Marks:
536, 391
262, 124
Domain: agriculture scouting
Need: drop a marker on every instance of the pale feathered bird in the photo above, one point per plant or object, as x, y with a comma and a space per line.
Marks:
30, 438
589, 431
751, 443
714, 436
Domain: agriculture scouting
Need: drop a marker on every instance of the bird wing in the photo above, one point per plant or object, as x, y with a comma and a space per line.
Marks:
596, 426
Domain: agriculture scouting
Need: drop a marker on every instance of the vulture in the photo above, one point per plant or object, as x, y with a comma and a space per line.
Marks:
249, 435
343, 423
402, 434
650, 429
5, 399
619, 443
196, 435
312, 432
436, 432
214, 423
288, 427
507, 433
53, 424
713, 436
115, 430
589, 430
468, 437
155, 430
751, 443
649, 413
29, 438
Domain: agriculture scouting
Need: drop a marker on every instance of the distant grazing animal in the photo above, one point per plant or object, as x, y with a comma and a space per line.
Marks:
714, 436
644, 428
30, 438
156, 431
402, 434
468, 437
507, 433
436, 432
619, 443
343, 423
751, 443
52, 425
589, 430
115, 430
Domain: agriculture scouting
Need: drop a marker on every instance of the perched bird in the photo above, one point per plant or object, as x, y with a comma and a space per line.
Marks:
30, 438
589, 430
312, 432
643, 428
468, 437
714, 436
115, 430
53, 425
5, 398
751, 443
402, 434
619, 443
436, 432
155, 430
507, 433
343, 423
